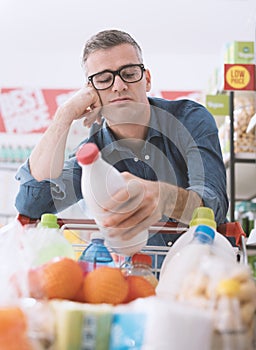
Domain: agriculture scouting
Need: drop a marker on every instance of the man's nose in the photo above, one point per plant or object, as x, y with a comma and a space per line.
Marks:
119, 84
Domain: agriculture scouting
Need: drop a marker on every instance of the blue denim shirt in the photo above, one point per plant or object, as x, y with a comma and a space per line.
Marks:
182, 148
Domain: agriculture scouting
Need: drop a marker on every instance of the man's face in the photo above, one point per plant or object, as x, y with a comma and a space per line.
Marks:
122, 101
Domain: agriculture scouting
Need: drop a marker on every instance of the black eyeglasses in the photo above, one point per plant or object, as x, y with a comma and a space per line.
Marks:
132, 73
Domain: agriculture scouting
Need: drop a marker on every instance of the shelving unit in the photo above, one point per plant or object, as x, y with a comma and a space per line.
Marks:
247, 174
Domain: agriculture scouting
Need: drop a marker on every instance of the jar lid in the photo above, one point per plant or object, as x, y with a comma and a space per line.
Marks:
142, 258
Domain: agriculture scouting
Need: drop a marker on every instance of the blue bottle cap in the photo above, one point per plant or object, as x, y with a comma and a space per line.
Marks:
204, 233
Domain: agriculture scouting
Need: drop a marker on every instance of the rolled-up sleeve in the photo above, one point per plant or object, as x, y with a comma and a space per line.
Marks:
217, 203
206, 170
51, 195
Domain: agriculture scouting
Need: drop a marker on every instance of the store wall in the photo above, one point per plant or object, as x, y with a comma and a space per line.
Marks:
63, 70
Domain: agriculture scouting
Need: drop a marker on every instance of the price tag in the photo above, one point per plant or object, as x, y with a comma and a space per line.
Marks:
239, 77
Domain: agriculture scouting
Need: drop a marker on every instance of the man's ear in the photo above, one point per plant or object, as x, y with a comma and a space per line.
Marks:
148, 80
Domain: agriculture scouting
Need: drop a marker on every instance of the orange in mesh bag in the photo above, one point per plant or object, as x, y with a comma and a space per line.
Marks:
139, 287
59, 278
13, 329
105, 285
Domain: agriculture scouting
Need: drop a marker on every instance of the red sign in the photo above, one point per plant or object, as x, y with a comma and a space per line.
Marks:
239, 77
178, 95
29, 110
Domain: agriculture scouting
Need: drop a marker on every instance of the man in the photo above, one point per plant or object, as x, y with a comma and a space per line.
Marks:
168, 151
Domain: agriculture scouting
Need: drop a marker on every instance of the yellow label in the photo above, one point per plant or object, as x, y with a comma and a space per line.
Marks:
73, 236
238, 77
229, 287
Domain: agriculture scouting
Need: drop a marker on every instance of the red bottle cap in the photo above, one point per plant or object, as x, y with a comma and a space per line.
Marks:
87, 153
140, 258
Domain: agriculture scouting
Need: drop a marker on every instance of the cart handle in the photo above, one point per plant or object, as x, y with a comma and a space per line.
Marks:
229, 229
233, 229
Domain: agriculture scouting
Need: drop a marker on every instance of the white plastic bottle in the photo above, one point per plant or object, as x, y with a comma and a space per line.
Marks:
100, 180
202, 216
185, 263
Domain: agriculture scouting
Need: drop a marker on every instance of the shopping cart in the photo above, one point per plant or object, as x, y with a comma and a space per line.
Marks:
78, 231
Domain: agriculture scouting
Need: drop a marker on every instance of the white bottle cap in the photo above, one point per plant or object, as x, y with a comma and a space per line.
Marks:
97, 235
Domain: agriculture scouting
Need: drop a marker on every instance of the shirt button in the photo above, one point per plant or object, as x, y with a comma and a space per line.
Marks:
136, 159
147, 157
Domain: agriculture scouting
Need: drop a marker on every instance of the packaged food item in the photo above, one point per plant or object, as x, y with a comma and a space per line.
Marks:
82, 326
240, 52
244, 109
234, 308
152, 323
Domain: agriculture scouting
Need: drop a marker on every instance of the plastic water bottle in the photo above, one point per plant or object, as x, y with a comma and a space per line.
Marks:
48, 242
141, 265
185, 261
96, 254
100, 180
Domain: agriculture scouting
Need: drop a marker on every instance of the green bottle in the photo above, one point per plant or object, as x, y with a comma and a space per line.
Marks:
52, 243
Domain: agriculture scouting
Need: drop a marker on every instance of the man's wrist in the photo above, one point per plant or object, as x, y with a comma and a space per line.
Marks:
180, 203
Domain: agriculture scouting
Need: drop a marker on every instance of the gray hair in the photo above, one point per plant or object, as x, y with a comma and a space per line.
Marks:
106, 39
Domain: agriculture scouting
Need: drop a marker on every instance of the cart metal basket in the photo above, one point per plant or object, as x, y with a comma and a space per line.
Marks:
78, 231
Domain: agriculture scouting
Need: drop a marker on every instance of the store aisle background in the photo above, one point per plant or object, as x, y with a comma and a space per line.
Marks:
41, 40
183, 42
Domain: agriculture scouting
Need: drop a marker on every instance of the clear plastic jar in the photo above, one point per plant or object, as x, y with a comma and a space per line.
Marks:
141, 265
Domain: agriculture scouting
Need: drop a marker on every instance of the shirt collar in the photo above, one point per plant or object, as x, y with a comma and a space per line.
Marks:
111, 143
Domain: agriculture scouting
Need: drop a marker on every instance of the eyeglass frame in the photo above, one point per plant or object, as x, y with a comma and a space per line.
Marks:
117, 72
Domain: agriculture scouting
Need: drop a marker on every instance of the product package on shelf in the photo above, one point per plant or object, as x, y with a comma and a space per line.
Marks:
240, 52
244, 109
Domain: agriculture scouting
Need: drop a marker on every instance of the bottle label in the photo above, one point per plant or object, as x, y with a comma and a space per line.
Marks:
127, 328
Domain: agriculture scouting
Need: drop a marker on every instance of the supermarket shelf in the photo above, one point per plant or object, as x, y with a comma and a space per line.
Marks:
241, 169
244, 157
245, 175
9, 166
